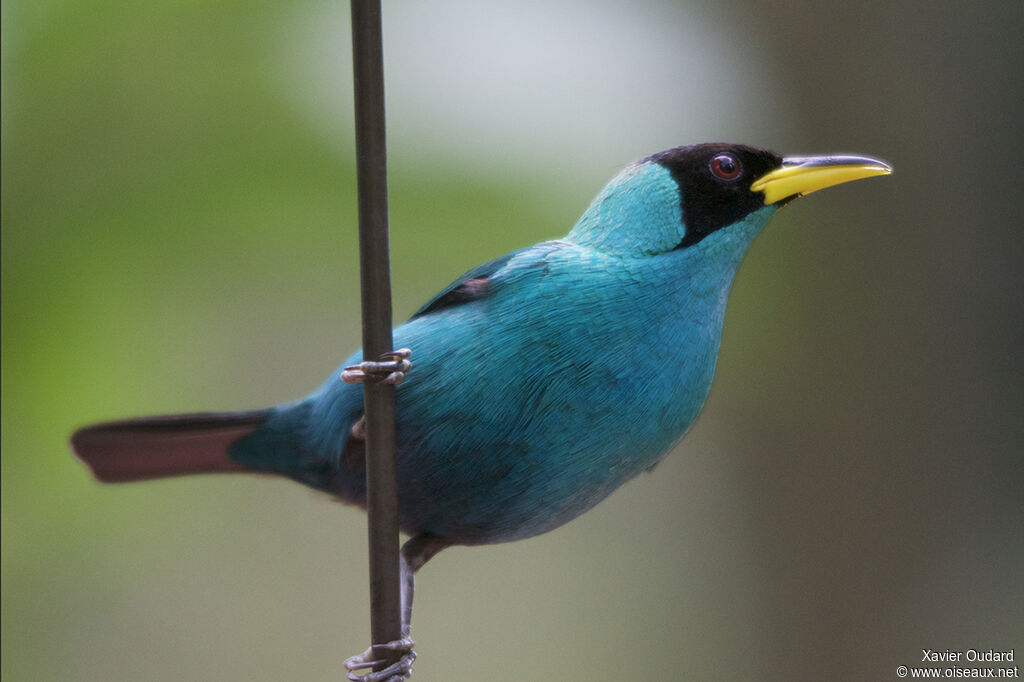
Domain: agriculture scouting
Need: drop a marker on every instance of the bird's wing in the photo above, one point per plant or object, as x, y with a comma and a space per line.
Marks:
469, 287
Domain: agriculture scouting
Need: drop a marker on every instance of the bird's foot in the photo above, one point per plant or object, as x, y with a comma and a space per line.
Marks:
396, 672
390, 368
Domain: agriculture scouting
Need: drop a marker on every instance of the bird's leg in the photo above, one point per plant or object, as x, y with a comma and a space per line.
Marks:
358, 429
389, 368
415, 553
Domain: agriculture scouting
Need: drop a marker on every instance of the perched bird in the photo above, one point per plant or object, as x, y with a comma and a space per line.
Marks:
544, 379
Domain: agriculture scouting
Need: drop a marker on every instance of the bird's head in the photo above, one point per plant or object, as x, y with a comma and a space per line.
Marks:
677, 198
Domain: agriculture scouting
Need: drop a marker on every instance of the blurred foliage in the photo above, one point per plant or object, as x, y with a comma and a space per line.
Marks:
178, 236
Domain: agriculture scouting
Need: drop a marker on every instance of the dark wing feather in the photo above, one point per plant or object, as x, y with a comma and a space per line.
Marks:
470, 286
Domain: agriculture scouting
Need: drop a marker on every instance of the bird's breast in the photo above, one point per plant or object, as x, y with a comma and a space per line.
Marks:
522, 413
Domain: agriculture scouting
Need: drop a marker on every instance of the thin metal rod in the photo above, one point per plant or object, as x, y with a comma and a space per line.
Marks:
379, 399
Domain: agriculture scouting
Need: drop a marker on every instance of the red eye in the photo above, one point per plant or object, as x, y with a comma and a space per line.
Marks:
726, 167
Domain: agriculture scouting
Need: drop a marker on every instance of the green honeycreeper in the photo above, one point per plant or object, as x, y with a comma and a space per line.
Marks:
544, 379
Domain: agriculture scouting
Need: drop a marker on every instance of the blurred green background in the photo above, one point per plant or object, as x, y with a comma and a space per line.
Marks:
179, 235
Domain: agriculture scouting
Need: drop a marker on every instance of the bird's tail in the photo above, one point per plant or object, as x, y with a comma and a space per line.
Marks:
173, 445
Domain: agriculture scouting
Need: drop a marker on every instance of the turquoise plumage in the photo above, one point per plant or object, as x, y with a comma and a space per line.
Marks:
543, 380
554, 400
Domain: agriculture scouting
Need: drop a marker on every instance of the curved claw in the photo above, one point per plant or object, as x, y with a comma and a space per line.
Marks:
390, 368
396, 672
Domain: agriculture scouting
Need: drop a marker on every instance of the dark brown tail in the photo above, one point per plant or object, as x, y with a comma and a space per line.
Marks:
155, 447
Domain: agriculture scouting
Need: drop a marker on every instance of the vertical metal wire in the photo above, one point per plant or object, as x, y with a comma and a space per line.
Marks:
371, 168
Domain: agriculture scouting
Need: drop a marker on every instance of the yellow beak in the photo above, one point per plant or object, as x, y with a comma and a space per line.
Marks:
803, 175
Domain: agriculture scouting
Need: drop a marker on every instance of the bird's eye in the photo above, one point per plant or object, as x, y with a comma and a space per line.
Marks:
726, 166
